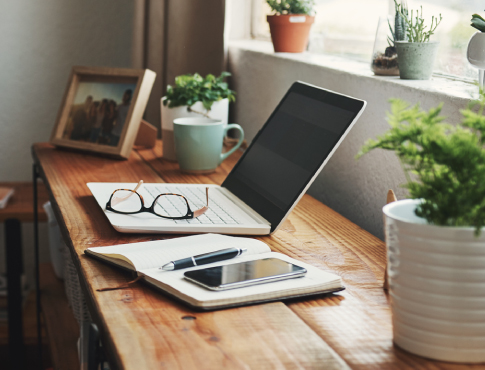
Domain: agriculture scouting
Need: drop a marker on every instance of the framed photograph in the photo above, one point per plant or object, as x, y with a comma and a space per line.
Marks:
102, 109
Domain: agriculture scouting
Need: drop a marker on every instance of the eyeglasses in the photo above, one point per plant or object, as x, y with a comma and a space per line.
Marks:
168, 205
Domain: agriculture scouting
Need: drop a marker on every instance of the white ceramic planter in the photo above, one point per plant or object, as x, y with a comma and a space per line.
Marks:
219, 110
437, 286
476, 54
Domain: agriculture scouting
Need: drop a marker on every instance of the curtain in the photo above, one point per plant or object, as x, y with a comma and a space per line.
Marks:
174, 37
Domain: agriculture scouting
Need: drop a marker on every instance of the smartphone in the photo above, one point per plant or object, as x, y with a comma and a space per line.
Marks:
243, 274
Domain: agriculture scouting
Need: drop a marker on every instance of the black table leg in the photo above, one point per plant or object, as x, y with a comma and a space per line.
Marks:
35, 175
13, 246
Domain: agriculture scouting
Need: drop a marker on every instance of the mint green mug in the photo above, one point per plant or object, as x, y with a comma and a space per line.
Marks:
198, 143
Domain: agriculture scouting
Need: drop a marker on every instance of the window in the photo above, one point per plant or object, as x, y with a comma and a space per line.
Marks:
348, 27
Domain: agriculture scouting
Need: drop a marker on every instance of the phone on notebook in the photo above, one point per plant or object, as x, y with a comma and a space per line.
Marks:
243, 274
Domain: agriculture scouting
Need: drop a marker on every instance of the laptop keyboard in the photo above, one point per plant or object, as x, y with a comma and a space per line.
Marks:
196, 197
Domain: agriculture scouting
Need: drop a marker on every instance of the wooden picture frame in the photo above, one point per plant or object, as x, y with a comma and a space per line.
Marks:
99, 113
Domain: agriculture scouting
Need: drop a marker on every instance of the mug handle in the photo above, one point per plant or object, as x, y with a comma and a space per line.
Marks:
241, 138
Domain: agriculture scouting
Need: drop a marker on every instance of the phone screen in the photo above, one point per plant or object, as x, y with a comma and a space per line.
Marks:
245, 274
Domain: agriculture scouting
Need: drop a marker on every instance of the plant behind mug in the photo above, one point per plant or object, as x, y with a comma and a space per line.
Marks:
190, 89
448, 161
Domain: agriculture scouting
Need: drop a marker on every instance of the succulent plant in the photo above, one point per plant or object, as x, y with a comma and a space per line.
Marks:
478, 22
292, 6
416, 30
400, 26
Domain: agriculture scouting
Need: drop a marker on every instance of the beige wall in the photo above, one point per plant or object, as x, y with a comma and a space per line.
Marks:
40, 42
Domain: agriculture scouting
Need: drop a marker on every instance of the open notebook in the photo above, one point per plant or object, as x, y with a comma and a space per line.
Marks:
146, 259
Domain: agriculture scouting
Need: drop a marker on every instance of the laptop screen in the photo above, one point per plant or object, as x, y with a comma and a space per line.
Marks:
290, 148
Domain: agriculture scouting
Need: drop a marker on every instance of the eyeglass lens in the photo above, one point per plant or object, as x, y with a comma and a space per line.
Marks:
126, 201
168, 205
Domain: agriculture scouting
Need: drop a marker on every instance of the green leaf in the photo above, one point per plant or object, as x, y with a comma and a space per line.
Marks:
478, 16
291, 6
190, 89
444, 164
479, 24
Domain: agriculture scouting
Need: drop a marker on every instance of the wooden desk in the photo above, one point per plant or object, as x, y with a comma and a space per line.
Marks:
142, 329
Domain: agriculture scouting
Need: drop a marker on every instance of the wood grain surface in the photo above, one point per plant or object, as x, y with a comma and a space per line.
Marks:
21, 205
143, 329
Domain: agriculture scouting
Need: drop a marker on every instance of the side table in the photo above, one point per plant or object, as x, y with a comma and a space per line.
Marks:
19, 209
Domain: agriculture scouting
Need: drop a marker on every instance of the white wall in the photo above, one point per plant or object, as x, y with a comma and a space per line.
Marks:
39, 43
355, 189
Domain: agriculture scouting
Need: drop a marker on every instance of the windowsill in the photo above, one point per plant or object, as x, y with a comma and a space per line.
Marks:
437, 85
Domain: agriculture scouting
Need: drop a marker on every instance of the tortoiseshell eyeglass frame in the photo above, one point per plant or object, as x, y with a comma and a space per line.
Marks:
151, 209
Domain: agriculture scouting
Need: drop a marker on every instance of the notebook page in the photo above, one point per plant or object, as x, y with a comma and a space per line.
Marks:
154, 254
314, 280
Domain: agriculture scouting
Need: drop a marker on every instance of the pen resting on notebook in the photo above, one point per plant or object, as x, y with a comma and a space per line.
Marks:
204, 259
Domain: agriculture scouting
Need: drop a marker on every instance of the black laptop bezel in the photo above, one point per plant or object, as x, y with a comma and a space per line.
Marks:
256, 201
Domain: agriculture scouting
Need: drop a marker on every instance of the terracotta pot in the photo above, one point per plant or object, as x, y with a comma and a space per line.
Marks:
290, 32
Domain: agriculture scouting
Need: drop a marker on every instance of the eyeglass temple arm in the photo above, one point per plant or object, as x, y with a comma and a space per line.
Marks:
201, 211
117, 200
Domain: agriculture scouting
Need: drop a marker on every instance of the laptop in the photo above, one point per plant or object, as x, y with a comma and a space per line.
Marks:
269, 179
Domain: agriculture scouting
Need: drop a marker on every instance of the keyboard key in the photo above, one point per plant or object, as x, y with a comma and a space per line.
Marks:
197, 199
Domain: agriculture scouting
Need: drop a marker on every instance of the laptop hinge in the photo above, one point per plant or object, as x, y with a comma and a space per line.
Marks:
243, 206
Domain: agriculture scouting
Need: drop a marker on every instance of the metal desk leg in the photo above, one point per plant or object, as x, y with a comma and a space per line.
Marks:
13, 246
35, 175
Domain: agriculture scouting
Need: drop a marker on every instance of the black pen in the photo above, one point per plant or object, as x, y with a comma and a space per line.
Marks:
203, 259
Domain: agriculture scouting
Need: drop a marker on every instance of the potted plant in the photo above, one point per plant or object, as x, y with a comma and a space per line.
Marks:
192, 96
476, 46
416, 55
384, 57
436, 241
290, 25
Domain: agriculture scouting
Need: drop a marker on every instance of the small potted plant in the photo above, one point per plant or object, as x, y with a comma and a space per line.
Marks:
416, 55
384, 57
476, 46
290, 25
192, 96
436, 241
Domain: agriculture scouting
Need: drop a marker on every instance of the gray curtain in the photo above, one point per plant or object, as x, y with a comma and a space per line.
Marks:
174, 37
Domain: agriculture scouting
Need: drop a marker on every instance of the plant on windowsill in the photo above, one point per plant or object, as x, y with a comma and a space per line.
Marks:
476, 47
194, 96
290, 25
416, 55
436, 241
384, 61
